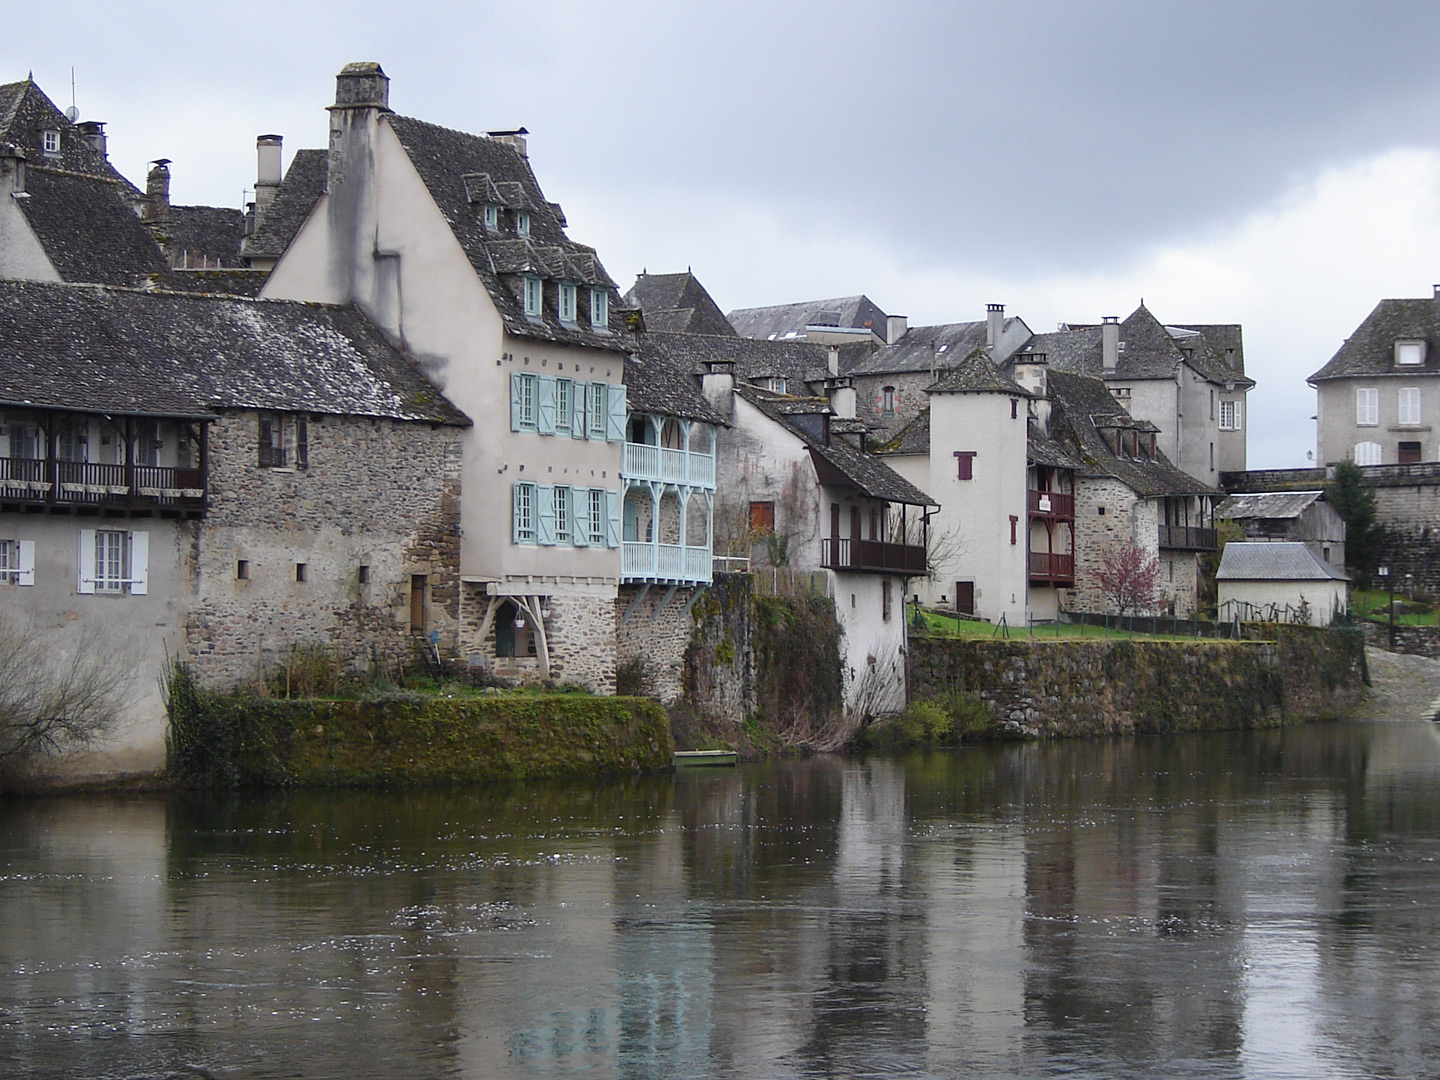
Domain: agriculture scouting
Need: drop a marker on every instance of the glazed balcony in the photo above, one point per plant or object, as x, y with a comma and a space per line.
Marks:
1187, 538
90, 487
872, 556
664, 465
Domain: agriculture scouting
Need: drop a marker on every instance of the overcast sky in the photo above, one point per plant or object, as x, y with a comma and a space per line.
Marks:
1273, 164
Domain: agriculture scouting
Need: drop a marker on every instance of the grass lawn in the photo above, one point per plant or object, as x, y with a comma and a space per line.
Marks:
1375, 604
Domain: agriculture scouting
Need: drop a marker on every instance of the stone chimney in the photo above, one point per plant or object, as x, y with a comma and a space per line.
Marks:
1032, 371
832, 361
841, 394
1109, 343
12, 170
267, 171
363, 85
352, 205
514, 139
93, 132
1437, 308
994, 324
895, 327
718, 385
157, 189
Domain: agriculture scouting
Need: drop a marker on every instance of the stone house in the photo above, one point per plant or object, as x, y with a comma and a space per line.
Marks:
677, 304
1378, 398
1288, 515
1279, 581
447, 242
219, 480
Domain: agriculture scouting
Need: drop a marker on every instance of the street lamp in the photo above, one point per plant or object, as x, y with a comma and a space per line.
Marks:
1384, 572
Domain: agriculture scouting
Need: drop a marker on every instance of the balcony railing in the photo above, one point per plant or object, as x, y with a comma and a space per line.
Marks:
1058, 504
664, 562
872, 556
661, 464
1048, 567
1187, 538
73, 484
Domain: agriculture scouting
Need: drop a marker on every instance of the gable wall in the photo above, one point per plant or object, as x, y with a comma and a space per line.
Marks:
762, 462
21, 256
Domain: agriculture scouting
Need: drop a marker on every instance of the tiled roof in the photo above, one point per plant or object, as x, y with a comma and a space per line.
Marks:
1148, 349
976, 374
656, 383
677, 303
203, 235
1227, 346
797, 362
782, 321
297, 195
913, 438
129, 351
1067, 350
230, 282
444, 159
1283, 560
865, 472
1271, 505
26, 112
922, 348
89, 230
1370, 350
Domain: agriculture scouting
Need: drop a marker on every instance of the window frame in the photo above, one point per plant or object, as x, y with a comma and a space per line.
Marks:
522, 224
595, 517
1409, 347
564, 406
97, 557
492, 217
762, 517
17, 563
1367, 444
283, 440
524, 401
523, 510
599, 309
1367, 406
533, 296
563, 516
887, 399
597, 410
50, 142
568, 302
965, 464
1408, 405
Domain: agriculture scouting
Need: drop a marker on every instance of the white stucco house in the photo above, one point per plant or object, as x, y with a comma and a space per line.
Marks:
1281, 581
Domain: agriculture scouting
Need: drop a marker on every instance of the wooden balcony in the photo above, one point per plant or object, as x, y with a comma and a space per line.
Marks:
1052, 504
1048, 568
47, 484
872, 556
1187, 538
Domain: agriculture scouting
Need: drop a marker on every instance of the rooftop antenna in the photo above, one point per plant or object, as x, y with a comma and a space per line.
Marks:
73, 112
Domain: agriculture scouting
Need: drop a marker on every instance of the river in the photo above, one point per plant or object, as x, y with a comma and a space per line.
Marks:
1259, 904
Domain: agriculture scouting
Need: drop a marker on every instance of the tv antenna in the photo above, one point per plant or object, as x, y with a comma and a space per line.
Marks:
73, 112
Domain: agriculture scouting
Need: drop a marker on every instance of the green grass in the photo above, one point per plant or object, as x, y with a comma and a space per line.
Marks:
1375, 604
949, 626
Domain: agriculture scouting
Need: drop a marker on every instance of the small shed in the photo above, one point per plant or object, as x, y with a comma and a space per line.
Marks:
1279, 581
1289, 515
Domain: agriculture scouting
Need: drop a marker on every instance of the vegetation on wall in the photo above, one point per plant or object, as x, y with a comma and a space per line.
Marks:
797, 664
948, 719
1354, 501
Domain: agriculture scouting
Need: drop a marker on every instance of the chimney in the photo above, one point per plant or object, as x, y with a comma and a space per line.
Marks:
1029, 370
994, 324
353, 269
157, 187
841, 394
515, 139
1436, 308
718, 385
12, 171
895, 327
362, 85
1109, 343
833, 361
267, 171
93, 132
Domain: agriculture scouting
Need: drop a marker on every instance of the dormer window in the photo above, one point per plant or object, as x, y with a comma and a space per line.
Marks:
567, 302
522, 223
1409, 352
777, 384
599, 309
50, 143
534, 296
492, 217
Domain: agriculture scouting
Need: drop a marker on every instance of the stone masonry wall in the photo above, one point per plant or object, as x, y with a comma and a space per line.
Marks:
579, 630
1412, 640
1097, 532
654, 639
720, 675
377, 493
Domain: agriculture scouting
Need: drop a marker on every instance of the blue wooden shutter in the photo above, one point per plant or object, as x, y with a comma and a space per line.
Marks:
545, 513
595, 414
545, 405
580, 392
580, 516
615, 428
612, 519
515, 401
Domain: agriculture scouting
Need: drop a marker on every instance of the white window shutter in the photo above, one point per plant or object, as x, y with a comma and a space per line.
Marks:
139, 563
580, 517
545, 514
615, 429
27, 563
1239, 414
612, 519
85, 578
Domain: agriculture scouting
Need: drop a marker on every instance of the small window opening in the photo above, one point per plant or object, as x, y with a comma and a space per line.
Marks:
363, 575
242, 570
302, 571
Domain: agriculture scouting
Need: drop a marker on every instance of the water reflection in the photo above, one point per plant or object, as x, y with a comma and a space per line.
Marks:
1246, 905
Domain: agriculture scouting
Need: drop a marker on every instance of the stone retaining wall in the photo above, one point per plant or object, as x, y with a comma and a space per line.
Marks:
1411, 640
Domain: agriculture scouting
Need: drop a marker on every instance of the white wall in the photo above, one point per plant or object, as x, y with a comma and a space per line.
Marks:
1324, 596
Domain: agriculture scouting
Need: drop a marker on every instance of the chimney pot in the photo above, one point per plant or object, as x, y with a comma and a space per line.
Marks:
93, 132
362, 85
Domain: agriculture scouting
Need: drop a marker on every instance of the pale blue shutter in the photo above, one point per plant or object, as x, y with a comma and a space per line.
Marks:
581, 394
612, 519
580, 516
85, 578
515, 399
545, 513
615, 429
517, 509
545, 409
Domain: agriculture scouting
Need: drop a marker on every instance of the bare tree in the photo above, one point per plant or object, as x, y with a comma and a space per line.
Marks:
60, 691
1129, 578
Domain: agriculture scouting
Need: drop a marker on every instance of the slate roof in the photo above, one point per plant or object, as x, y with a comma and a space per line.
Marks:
1370, 350
656, 383
26, 112
913, 438
922, 348
797, 362
677, 303
88, 229
976, 374
203, 235
1150, 349
230, 282
1284, 560
1083, 411
1227, 347
839, 457
450, 164
782, 321
299, 191
1271, 505
129, 351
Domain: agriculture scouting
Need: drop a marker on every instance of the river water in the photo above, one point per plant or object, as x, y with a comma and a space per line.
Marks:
1256, 904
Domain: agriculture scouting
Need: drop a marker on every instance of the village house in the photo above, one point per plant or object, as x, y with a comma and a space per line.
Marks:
1305, 516
1279, 581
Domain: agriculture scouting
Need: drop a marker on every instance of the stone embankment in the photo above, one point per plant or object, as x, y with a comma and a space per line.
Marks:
1402, 687
1076, 687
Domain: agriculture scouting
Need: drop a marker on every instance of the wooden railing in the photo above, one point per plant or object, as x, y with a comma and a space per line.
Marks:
1187, 538
50, 482
875, 556
1052, 567
1054, 503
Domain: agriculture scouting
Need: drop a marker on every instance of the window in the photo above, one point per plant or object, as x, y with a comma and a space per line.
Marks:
1121, 394
302, 572
1409, 352
17, 562
595, 519
562, 515
564, 405
534, 296
1409, 405
523, 522
242, 569
1367, 406
762, 518
1230, 415
887, 399
363, 575
885, 600
1014, 529
50, 142
418, 583
1212, 408
523, 411
965, 462
492, 217
596, 409
567, 302
1409, 453
776, 383
284, 441
522, 223
1367, 453
112, 561
599, 309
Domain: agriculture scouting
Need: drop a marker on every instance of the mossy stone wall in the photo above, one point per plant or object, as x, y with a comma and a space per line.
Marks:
1070, 687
